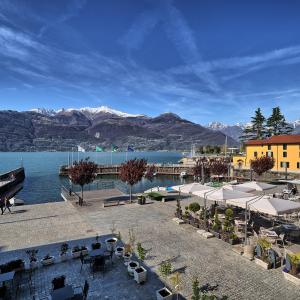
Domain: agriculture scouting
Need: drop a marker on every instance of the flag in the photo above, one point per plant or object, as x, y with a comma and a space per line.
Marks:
114, 148
130, 149
80, 149
99, 149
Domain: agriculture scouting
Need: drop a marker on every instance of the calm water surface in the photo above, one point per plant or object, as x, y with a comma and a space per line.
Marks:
42, 183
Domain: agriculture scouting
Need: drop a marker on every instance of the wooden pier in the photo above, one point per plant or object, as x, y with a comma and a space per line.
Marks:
160, 169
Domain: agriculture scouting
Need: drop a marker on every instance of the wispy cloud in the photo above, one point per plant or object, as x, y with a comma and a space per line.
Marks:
72, 10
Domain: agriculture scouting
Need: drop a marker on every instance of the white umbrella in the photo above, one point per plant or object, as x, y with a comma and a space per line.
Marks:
258, 186
221, 194
267, 205
238, 187
191, 187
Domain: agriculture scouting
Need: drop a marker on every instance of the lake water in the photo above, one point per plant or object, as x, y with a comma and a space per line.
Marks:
42, 183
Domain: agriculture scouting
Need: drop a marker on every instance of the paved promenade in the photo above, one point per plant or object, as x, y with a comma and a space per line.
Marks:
212, 260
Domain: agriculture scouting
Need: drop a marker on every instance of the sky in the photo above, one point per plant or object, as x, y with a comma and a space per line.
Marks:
203, 60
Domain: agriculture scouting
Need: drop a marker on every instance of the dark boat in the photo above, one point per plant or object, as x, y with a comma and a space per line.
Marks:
11, 183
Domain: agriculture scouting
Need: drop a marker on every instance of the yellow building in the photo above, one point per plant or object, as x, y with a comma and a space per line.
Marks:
285, 149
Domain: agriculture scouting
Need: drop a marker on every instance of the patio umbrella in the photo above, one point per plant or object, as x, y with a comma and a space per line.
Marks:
221, 194
292, 181
192, 187
258, 186
267, 205
238, 187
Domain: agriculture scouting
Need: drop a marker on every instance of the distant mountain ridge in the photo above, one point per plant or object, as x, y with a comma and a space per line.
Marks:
44, 130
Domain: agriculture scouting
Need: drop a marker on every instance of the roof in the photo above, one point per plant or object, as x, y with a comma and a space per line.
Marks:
277, 139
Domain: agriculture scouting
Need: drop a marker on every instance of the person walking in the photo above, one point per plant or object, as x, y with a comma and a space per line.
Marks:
2, 204
7, 204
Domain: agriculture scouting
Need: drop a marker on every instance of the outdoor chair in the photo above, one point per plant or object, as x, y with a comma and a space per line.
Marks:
98, 264
84, 261
275, 258
82, 295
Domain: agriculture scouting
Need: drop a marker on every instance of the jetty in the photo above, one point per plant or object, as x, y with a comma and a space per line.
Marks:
160, 169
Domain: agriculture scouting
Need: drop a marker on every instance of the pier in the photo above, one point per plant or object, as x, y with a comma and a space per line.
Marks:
160, 169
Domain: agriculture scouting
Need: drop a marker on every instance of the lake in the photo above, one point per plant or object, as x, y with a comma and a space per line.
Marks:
42, 183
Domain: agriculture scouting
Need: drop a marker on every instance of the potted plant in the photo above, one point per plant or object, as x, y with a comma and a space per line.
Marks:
233, 239
132, 265
64, 252
111, 243
217, 226
33, 261
127, 254
140, 274
141, 199
78, 250
165, 270
119, 252
176, 282
13, 265
292, 272
47, 260
164, 294
141, 252
261, 258
96, 245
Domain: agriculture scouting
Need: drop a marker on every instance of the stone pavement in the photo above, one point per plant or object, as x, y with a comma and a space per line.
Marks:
211, 260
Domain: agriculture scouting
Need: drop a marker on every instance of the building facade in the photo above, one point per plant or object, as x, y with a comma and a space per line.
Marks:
285, 149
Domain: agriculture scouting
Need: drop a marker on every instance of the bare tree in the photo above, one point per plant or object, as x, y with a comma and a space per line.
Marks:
262, 164
82, 173
132, 172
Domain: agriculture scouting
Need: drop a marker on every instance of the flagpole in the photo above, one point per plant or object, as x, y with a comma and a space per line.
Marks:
111, 157
126, 156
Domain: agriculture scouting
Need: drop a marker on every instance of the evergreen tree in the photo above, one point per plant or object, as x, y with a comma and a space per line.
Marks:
276, 123
257, 129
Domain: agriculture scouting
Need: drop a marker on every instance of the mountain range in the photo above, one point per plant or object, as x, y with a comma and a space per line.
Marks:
62, 130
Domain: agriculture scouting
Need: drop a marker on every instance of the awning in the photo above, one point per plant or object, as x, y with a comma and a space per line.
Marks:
258, 186
191, 187
267, 205
238, 187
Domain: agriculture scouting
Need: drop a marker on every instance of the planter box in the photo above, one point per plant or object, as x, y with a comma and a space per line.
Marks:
47, 262
127, 258
216, 234
249, 252
111, 244
140, 274
233, 241
261, 263
95, 246
178, 221
119, 252
164, 294
291, 278
132, 265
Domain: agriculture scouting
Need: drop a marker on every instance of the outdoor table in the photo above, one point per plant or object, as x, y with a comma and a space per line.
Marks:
62, 293
9, 276
97, 252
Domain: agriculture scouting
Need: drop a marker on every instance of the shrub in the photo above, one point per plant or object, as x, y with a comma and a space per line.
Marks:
194, 207
64, 248
196, 289
141, 252
155, 196
165, 268
228, 222
217, 223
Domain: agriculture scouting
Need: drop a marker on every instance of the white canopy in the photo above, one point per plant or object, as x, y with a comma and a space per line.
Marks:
258, 186
221, 194
293, 181
238, 187
191, 187
267, 205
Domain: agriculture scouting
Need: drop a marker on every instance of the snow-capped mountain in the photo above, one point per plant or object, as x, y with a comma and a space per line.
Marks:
86, 110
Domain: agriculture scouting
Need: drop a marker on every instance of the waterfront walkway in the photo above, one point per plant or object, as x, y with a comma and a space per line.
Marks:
212, 260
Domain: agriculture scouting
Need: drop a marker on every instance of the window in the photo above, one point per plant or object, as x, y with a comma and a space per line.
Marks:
298, 165
269, 147
284, 154
262, 153
255, 154
270, 153
284, 164
284, 146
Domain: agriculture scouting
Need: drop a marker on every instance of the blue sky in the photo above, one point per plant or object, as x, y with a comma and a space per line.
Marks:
204, 60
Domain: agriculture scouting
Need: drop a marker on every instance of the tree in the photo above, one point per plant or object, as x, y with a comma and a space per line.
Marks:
262, 164
219, 167
257, 129
150, 172
276, 123
194, 207
132, 172
202, 169
82, 173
